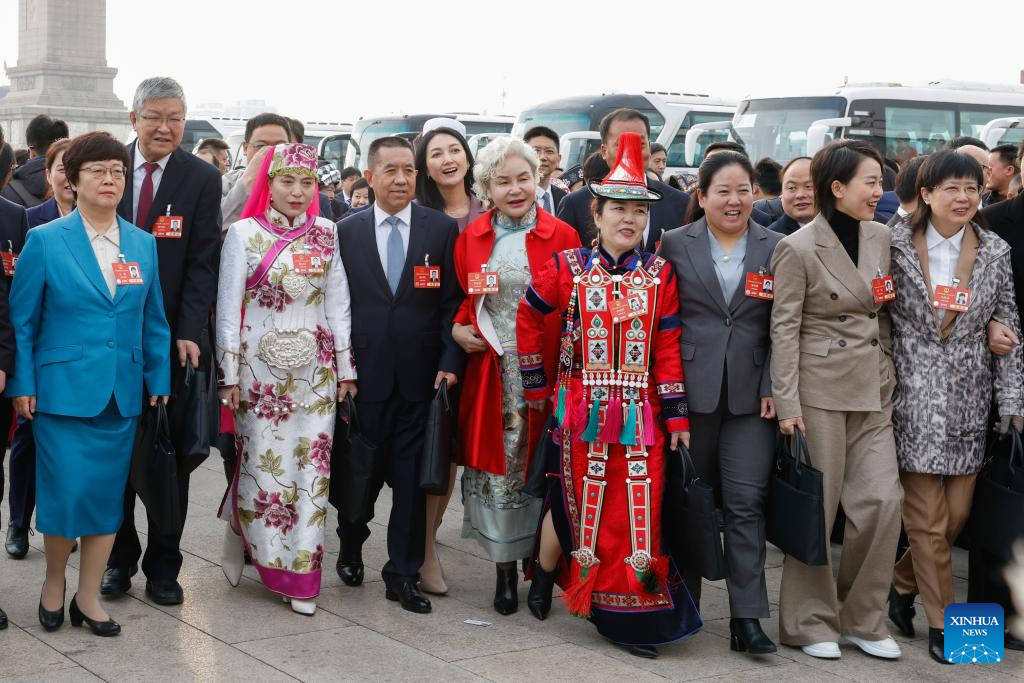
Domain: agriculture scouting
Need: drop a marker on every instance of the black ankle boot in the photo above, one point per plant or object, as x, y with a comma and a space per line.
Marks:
506, 595
937, 645
539, 600
901, 612
746, 636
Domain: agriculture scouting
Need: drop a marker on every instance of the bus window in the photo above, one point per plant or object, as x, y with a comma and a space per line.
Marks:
475, 127
971, 123
777, 128
677, 150
910, 131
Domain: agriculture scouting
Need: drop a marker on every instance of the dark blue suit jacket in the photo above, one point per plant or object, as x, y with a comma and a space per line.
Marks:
402, 340
785, 225
13, 228
669, 213
887, 206
41, 214
188, 266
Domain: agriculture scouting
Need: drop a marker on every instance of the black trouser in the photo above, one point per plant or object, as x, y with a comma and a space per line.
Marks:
396, 426
22, 467
163, 554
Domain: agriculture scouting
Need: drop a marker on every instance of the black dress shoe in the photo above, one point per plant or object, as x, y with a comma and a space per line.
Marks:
165, 592
100, 628
506, 595
937, 645
117, 580
746, 636
1012, 642
17, 542
539, 599
901, 611
409, 595
51, 620
3, 620
645, 651
350, 565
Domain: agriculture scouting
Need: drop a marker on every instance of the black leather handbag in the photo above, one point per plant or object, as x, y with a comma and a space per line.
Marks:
154, 470
545, 454
796, 503
691, 514
997, 516
435, 466
353, 466
190, 418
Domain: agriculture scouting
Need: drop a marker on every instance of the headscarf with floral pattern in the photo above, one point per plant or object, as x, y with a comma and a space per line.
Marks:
287, 158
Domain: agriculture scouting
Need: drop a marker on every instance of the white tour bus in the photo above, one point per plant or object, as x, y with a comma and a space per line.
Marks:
901, 121
329, 137
672, 114
479, 129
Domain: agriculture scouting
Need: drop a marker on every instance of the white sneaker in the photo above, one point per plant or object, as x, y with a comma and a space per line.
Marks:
232, 559
825, 650
887, 648
307, 607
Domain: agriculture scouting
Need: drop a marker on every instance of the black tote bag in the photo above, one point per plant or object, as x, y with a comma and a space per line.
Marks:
997, 517
190, 418
796, 504
544, 453
352, 470
690, 516
154, 470
435, 465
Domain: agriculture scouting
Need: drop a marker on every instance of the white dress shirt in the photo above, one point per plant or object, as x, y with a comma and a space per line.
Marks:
383, 231
943, 254
139, 176
107, 248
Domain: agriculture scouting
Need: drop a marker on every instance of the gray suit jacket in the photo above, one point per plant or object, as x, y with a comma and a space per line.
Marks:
720, 336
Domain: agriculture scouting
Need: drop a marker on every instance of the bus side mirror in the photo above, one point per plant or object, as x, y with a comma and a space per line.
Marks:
817, 131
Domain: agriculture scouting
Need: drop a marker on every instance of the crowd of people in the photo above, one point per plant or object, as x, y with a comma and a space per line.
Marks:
590, 327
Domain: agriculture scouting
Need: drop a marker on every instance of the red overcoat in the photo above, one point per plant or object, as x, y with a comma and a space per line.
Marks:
480, 439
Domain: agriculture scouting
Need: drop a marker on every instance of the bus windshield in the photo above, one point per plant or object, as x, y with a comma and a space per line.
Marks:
368, 130
777, 128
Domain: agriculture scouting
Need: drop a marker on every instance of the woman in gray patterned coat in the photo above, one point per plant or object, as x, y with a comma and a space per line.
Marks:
951, 278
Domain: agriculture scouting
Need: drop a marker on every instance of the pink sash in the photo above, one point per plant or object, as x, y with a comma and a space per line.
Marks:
284, 238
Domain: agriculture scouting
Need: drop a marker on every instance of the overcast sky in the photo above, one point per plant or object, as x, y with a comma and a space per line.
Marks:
337, 61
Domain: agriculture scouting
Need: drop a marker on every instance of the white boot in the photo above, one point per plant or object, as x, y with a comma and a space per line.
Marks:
232, 559
307, 607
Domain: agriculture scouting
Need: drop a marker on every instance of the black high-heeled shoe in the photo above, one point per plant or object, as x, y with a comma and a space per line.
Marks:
746, 636
937, 645
100, 628
506, 595
51, 620
901, 611
539, 599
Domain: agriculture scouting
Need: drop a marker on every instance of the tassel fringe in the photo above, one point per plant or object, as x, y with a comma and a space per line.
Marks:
612, 421
593, 424
577, 597
628, 437
648, 424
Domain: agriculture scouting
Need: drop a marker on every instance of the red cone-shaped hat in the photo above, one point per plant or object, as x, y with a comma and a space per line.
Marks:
627, 180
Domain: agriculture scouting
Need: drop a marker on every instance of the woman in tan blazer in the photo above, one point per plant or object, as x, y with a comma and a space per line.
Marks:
833, 379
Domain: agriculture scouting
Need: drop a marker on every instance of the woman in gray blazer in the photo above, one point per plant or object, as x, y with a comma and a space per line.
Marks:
723, 263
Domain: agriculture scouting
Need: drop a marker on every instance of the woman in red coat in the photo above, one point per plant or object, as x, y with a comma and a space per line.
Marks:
494, 260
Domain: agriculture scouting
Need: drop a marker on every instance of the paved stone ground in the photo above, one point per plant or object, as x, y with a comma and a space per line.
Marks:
246, 633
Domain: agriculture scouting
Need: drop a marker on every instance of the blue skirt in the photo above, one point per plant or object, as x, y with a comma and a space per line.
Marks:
82, 468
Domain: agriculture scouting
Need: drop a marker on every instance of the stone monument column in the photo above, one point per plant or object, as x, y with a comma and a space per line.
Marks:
62, 70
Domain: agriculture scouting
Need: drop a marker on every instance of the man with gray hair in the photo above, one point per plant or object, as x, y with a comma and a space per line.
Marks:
176, 197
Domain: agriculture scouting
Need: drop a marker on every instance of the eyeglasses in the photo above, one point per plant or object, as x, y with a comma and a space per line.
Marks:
155, 121
100, 172
953, 190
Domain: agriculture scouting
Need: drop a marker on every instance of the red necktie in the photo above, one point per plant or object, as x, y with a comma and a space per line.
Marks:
146, 195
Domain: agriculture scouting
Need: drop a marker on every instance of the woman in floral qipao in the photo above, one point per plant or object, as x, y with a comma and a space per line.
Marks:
283, 330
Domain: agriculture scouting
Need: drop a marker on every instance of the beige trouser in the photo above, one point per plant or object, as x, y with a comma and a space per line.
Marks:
857, 456
935, 509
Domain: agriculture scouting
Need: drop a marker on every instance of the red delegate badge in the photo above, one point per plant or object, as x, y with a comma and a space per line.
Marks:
127, 273
311, 263
485, 282
426, 277
10, 261
760, 286
623, 309
168, 227
883, 289
952, 298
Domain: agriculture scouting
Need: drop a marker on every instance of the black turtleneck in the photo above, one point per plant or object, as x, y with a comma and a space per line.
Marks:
847, 229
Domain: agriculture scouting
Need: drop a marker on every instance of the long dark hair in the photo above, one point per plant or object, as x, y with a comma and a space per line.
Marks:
706, 173
427, 192
938, 168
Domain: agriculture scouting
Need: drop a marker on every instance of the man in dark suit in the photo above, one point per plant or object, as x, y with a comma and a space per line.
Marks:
544, 142
667, 214
13, 228
169, 182
401, 336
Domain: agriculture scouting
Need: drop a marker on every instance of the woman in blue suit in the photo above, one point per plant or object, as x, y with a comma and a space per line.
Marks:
88, 335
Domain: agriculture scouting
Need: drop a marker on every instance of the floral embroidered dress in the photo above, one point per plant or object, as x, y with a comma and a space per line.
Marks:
283, 336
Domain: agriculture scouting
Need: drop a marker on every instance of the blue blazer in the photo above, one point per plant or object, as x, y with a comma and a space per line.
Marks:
41, 214
77, 345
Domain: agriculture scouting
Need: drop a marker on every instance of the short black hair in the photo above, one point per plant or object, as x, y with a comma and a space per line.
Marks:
726, 145
217, 144
906, 180
838, 161
42, 131
95, 146
542, 132
1007, 154
350, 171
297, 130
266, 119
789, 164
595, 168
657, 147
965, 140
936, 169
768, 174
360, 184
624, 114
706, 173
388, 141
